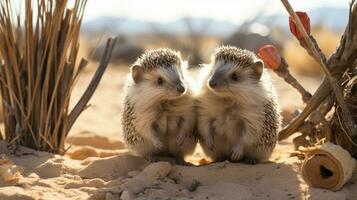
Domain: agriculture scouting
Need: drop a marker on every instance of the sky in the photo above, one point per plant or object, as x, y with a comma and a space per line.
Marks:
234, 11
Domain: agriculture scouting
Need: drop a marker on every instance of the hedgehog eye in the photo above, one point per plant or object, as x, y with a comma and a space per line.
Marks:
160, 81
234, 77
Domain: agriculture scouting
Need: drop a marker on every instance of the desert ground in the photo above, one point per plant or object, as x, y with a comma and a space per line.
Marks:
97, 165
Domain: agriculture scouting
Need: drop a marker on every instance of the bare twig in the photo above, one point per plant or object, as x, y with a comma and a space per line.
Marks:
283, 72
314, 42
82, 103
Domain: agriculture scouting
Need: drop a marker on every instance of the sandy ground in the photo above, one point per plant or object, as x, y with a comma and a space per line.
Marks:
97, 166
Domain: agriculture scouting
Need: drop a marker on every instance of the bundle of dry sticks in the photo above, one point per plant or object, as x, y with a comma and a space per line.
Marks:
331, 112
38, 69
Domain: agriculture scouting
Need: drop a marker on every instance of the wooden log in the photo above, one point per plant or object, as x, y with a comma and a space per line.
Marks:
327, 166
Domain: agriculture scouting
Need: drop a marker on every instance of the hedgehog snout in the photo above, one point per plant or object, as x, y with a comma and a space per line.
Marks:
216, 80
180, 88
212, 83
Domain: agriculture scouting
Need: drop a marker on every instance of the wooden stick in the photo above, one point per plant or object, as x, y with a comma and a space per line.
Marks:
321, 93
283, 72
82, 103
321, 54
349, 122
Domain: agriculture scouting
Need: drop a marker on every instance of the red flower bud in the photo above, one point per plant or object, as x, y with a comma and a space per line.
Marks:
270, 55
305, 20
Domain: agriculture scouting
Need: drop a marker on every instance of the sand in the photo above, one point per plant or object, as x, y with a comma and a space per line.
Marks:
97, 166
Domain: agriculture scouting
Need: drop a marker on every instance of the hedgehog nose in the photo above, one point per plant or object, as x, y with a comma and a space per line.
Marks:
212, 83
180, 88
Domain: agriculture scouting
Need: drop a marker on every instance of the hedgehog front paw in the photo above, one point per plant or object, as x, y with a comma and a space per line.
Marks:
209, 143
237, 153
158, 144
180, 139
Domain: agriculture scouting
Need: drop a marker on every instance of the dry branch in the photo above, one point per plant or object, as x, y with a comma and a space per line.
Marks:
82, 103
337, 64
283, 72
321, 93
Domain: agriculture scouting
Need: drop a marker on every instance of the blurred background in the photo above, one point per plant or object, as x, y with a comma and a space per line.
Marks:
195, 28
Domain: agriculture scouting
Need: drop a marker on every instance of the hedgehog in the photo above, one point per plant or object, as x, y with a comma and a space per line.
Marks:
158, 117
238, 115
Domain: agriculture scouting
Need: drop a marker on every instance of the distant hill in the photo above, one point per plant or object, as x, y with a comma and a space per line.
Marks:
133, 26
333, 18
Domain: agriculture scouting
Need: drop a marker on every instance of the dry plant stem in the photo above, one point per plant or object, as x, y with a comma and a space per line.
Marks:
283, 72
38, 70
82, 103
326, 128
348, 120
325, 107
321, 93
318, 116
322, 55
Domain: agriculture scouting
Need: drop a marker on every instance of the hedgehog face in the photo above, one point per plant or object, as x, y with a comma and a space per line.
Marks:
160, 82
230, 79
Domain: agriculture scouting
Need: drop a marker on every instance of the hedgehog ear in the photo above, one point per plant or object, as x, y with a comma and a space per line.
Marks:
137, 73
258, 69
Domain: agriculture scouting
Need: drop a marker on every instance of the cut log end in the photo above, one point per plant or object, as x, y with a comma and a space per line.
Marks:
328, 166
